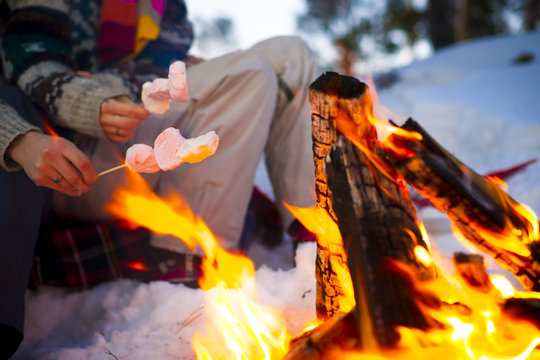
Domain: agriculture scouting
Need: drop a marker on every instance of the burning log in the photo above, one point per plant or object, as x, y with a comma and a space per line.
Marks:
484, 214
359, 184
327, 94
377, 220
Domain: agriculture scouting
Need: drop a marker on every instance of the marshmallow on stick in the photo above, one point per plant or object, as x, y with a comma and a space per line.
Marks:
166, 146
156, 95
177, 82
171, 150
140, 157
197, 149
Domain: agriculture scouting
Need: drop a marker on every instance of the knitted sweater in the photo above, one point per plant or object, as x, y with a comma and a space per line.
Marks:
45, 43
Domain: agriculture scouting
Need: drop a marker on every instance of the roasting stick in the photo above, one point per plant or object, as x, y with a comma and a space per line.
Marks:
111, 169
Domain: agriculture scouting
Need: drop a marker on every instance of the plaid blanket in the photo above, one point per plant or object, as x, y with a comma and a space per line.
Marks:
79, 255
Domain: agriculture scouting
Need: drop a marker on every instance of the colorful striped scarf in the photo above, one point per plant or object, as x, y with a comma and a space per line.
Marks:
126, 26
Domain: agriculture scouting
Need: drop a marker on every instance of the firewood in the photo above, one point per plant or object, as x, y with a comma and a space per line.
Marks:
378, 224
329, 93
485, 215
374, 213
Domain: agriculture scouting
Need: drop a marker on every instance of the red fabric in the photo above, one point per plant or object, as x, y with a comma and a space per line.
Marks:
117, 30
78, 255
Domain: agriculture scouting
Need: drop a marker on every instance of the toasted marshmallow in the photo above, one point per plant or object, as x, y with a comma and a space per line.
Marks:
197, 149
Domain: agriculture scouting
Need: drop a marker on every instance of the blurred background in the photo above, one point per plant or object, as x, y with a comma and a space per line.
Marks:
358, 37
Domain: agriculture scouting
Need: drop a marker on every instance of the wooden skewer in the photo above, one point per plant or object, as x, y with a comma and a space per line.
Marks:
111, 169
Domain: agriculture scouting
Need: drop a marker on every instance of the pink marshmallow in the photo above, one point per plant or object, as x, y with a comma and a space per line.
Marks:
159, 89
155, 96
140, 157
177, 82
197, 149
166, 146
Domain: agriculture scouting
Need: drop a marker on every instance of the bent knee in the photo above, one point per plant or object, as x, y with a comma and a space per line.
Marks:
257, 72
285, 43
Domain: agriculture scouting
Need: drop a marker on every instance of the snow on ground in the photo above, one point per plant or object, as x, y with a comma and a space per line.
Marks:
472, 98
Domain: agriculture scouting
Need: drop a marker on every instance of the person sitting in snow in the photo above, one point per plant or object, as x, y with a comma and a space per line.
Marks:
70, 108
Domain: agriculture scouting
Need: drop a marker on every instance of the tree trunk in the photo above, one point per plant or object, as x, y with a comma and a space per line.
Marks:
440, 17
531, 14
461, 20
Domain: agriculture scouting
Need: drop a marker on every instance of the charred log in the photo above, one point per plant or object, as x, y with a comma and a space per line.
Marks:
328, 95
360, 184
486, 216
374, 213
378, 224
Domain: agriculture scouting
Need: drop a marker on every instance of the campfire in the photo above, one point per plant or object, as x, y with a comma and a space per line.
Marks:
381, 289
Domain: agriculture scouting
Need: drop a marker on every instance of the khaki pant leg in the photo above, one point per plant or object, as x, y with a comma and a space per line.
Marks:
289, 154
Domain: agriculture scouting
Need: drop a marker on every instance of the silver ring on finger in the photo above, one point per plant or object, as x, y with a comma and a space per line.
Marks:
58, 179
116, 132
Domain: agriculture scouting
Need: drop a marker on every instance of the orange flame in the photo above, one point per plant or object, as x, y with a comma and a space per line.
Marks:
242, 328
473, 327
497, 181
138, 265
317, 221
511, 238
48, 127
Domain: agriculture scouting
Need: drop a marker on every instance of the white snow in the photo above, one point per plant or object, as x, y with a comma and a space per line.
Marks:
470, 97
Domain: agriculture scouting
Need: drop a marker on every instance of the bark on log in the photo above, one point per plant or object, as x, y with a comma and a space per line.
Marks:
484, 214
377, 220
328, 95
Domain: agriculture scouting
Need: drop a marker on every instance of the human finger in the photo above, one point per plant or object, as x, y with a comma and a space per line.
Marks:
65, 164
124, 107
85, 74
68, 175
79, 162
54, 180
59, 183
119, 121
117, 134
